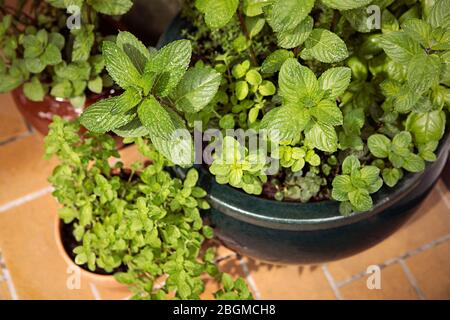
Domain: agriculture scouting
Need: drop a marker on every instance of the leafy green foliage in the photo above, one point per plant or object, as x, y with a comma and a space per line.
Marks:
149, 79
45, 57
355, 185
141, 221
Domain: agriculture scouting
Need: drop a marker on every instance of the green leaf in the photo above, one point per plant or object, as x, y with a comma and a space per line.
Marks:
275, 60
360, 200
392, 176
402, 141
96, 85
111, 7
400, 47
98, 117
290, 39
379, 145
423, 72
297, 82
336, 81
135, 49
10, 83
34, 90
120, 67
242, 90
322, 137
35, 65
414, 163
168, 66
418, 30
426, 126
346, 4
196, 90
325, 46
326, 112
371, 176
342, 185
253, 8
167, 131
219, 12
134, 129
127, 101
288, 14
288, 121
83, 43
351, 165
440, 15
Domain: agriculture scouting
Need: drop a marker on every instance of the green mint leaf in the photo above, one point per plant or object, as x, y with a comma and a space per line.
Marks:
351, 165
392, 176
98, 117
167, 67
120, 67
96, 85
325, 46
402, 141
111, 7
336, 81
379, 145
62, 89
342, 186
371, 177
440, 15
419, 31
290, 39
218, 12
10, 83
83, 43
426, 126
346, 4
400, 47
288, 14
328, 113
275, 60
57, 40
135, 49
423, 72
134, 129
413, 163
196, 90
389, 22
164, 128
34, 90
289, 121
322, 137
127, 101
253, 8
360, 200
297, 82
35, 65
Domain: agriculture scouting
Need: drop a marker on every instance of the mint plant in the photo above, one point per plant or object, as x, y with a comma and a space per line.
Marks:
41, 53
140, 223
350, 105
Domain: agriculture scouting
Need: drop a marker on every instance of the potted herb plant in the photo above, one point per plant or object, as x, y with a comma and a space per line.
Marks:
352, 95
51, 58
139, 225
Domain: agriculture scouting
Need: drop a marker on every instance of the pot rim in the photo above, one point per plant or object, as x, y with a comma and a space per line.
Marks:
281, 215
68, 260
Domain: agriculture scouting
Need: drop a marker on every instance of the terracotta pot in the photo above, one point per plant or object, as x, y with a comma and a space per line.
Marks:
40, 114
104, 281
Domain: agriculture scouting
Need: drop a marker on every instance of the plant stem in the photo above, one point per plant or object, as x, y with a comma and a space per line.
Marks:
247, 35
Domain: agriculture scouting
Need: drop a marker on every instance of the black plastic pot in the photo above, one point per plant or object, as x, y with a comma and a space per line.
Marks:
295, 233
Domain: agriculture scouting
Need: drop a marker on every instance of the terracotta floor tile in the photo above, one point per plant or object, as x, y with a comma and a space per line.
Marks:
434, 223
290, 282
431, 269
29, 250
394, 286
23, 168
11, 121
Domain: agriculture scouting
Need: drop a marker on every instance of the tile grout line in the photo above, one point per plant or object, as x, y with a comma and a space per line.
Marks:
16, 138
249, 278
7, 277
412, 280
331, 282
394, 260
442, 194
95, 291
25, 199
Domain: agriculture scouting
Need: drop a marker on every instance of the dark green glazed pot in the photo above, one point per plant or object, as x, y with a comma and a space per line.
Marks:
311, 233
